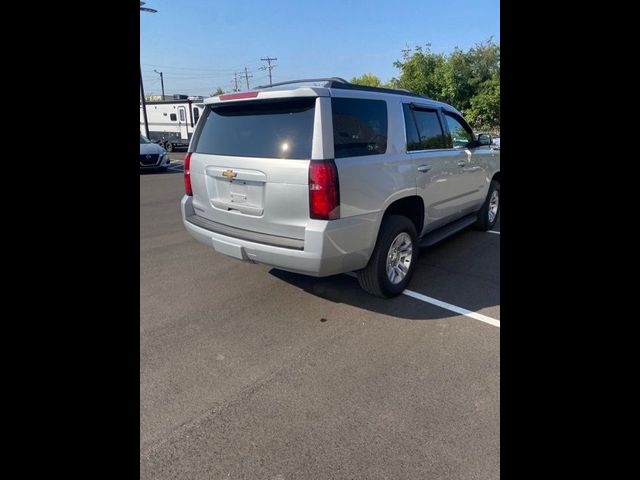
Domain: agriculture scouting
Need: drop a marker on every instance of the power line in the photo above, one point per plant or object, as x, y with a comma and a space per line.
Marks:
191, 68
268, 67
194, 75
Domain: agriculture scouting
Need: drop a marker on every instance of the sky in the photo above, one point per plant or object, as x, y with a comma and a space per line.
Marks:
199, 44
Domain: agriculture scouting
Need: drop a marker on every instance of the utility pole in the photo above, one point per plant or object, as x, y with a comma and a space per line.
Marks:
268, 67
144, 102
235, 79
247, 77
405, 52
161, 82
144, 106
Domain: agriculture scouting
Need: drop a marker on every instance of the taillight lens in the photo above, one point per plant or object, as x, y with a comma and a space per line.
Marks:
187, 174
324, 191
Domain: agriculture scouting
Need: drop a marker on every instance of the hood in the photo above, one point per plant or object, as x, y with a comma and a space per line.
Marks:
151, 148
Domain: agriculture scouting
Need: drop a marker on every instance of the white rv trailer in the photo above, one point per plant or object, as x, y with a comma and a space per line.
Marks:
172, 122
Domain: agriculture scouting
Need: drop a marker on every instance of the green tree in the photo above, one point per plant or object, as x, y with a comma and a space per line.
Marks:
368, 79
485, 105
218, 91
468, 80
422, 72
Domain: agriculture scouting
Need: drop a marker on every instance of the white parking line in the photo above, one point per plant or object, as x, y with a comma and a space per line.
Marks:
453, 308
446, 306
493, 231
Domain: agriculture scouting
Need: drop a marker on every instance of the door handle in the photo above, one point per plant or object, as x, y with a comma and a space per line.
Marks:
462, 163
424, 168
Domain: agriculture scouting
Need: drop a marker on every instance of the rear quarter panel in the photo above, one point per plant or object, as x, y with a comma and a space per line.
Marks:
368, 184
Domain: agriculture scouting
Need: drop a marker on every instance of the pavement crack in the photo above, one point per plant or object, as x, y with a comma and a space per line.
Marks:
149, 450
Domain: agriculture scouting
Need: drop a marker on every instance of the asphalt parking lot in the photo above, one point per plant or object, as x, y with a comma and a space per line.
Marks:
249, 372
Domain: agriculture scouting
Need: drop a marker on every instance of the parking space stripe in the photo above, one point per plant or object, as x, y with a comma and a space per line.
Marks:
453, 308
445, 305
493, 231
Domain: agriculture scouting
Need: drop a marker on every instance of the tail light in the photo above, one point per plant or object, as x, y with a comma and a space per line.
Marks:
187, 174
324, 190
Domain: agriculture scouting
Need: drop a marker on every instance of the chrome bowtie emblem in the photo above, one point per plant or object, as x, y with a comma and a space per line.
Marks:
229, 174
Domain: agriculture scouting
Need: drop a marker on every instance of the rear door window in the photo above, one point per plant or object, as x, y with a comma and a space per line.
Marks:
413, 139
359, 127
273, 129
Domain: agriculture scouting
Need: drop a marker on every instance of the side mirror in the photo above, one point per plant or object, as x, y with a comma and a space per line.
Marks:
484, 139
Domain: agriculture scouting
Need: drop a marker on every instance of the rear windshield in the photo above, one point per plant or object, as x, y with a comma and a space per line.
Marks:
282, 129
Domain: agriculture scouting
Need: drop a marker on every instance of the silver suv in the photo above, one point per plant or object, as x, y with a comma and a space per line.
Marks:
322, 177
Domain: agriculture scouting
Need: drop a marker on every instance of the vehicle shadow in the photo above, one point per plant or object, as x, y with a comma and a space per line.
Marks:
462, 270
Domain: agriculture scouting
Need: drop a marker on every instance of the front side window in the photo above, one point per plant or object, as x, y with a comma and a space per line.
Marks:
424, 130
271, 129
359, 127
461, 134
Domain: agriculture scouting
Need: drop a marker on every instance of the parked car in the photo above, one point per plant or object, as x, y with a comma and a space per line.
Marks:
152, 155
328, 177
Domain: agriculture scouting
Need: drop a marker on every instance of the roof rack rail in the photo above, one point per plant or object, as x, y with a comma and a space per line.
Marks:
328, 79
341, 83
395, 91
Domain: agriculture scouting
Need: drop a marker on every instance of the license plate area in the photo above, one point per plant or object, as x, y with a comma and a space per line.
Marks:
238, 190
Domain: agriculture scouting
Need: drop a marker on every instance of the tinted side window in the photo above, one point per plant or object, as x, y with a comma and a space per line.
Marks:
430, 130
181, 111
274, 129
173, 117
413, 139
196, 115
359, 127
461, 134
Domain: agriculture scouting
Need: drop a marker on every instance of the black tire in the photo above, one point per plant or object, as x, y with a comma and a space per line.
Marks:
169, 147
483, 223
373, 278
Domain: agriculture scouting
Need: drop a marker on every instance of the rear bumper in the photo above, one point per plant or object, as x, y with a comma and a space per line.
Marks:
329, 247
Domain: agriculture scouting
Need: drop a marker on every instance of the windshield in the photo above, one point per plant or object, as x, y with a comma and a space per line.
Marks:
143, 139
